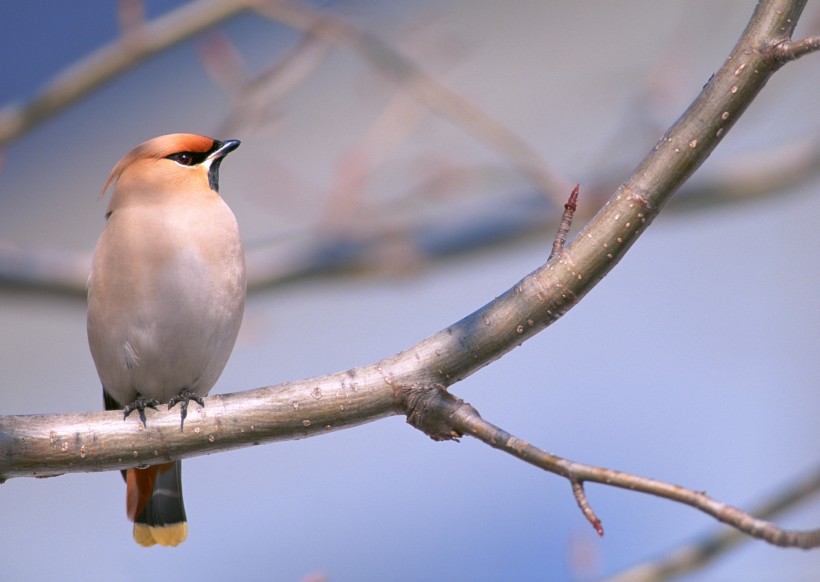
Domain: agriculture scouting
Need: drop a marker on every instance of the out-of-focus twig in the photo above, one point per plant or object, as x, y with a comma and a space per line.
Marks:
137, 43
396, 121
52, 271
514, 217
755, 175
253, 97
424, 87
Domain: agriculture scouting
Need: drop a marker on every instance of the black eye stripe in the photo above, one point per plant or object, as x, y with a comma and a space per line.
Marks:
188, 158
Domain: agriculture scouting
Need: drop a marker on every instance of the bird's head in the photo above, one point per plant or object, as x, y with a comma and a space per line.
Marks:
166, 166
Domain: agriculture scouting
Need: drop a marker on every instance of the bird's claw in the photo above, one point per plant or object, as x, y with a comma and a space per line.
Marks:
184, 396
139, 404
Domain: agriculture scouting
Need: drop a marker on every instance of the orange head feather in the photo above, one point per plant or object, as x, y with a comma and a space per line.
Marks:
164, 166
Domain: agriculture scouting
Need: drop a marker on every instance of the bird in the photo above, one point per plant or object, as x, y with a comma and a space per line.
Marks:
166, 296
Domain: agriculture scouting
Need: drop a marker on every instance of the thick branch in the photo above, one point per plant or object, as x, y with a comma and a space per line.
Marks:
45, 445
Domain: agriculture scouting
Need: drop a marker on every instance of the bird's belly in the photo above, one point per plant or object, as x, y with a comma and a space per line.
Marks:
177, 333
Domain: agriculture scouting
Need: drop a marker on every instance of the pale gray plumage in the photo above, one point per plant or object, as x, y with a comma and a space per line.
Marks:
167, 286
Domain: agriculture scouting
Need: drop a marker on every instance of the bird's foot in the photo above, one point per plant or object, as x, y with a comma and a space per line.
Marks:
185, 395
140, 404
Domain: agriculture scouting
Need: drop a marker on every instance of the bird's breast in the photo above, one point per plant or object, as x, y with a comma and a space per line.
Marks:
167, 291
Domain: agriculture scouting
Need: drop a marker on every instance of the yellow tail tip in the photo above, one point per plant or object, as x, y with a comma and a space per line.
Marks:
169, 535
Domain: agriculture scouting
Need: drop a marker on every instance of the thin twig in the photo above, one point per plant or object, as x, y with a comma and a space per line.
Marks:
466, 420
566, 223
256, 96
584, 505
391, 128
789, 50
706, 549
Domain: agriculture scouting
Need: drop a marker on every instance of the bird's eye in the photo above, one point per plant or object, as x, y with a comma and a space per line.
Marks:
184, 159
188, 158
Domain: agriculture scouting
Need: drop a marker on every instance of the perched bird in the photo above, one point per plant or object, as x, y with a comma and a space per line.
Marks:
166, 295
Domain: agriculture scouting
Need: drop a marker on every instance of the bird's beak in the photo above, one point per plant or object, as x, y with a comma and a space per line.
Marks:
223, 149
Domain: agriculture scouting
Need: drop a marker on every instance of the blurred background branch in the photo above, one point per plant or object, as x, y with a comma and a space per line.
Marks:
139, 41
348, 236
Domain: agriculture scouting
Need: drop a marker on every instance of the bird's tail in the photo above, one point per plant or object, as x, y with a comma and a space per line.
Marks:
154, 504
